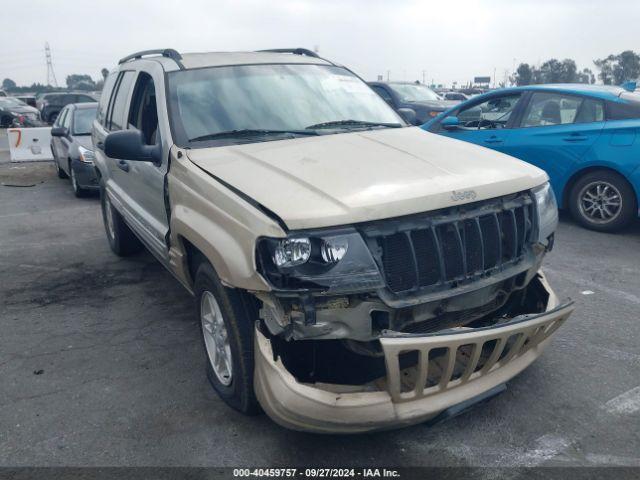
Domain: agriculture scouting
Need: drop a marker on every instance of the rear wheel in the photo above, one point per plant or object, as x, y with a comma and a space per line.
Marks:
121, 239
603, 201
226, 321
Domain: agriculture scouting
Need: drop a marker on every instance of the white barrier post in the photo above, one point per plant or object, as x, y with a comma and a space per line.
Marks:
30, 144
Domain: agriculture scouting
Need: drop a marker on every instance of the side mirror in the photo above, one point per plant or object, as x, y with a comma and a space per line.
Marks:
450, 123
129, 145
408, 115
58, 132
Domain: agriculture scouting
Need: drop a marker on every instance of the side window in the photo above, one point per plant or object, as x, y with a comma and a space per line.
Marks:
116, 116
59, 121
383, 93
546, 109
66, 121
591, 110
104, 98
492, 113
143, 113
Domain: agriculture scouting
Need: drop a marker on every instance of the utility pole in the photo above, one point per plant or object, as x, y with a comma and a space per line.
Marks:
51, 76
424, 77
388, 72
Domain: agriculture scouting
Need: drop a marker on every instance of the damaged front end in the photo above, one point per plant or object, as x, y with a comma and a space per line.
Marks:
390, 323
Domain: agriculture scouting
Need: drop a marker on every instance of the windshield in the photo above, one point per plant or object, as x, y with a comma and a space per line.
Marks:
273, 98
415, 93
82, 120
8, 102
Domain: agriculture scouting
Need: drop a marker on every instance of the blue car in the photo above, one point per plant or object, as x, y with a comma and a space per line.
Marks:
583, 136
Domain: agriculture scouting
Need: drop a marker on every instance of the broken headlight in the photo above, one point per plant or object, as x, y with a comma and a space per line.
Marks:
333, 261
547, 211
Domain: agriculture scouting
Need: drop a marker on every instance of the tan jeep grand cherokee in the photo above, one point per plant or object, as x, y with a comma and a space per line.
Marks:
351, 272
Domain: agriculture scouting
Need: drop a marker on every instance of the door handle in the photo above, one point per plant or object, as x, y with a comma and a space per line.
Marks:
100, 145
122, 165
493, 139
575, 137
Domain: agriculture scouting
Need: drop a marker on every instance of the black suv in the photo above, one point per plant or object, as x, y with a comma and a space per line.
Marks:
50, 104
405, 96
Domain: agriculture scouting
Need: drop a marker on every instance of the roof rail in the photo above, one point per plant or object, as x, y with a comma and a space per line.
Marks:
165, 52
295, 51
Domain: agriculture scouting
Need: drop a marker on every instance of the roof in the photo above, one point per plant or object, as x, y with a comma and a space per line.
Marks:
605, 92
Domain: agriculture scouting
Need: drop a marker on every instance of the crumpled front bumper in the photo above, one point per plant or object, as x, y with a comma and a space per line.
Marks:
506, 349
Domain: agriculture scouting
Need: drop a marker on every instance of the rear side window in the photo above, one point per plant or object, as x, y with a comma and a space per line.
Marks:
622, 111
106, 95
116, 111
591, 110
546, 109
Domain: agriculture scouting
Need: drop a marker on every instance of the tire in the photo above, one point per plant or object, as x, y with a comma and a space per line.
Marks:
78, 191
233, 317
603, 201
121, 239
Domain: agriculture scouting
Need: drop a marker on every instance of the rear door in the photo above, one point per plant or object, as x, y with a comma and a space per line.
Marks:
555, 131
487, 122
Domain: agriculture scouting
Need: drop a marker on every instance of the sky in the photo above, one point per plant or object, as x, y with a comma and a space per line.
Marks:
440, 41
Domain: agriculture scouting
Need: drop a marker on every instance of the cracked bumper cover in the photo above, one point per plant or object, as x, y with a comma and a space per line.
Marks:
514, 346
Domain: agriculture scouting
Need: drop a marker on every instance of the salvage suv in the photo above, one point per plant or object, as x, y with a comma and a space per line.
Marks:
351, 272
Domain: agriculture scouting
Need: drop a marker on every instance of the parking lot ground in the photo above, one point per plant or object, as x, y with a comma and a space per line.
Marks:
101, 362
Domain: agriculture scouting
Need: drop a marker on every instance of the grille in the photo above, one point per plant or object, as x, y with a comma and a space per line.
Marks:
447, 248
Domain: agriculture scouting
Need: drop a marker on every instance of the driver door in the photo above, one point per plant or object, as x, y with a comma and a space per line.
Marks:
487, 123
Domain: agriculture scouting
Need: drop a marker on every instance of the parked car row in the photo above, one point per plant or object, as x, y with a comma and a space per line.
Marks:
351, 271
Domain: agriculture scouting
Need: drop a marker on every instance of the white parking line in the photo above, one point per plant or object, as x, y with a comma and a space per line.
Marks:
624, 404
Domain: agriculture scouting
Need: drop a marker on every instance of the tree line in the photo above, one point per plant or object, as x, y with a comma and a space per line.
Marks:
613, 70
74, 81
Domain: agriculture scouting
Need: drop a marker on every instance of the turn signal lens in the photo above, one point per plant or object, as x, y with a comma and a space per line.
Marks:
333, 249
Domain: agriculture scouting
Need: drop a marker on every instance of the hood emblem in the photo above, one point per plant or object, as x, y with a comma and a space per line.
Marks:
456, 196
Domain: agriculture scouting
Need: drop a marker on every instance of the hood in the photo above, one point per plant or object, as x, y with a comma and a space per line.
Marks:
23, 109
84, 140
355, 177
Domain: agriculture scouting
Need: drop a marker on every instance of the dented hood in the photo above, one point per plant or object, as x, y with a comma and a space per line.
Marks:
339, 179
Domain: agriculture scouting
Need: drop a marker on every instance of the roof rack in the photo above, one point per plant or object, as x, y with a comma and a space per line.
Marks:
295, 51
165, 52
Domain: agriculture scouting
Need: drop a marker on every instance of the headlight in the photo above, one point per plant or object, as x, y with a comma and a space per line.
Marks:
547, 211
86, 155
331, 261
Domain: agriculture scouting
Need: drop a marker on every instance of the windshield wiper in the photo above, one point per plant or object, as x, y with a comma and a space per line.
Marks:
356, 123
248, 132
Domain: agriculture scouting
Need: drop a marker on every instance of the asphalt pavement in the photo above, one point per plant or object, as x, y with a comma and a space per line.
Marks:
101, 362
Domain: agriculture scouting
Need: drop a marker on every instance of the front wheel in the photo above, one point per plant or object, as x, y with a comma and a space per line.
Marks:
121, 239
226, 321
78, 191
603, 201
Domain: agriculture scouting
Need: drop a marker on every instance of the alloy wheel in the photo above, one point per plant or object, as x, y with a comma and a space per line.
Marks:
600, 202
216, 339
